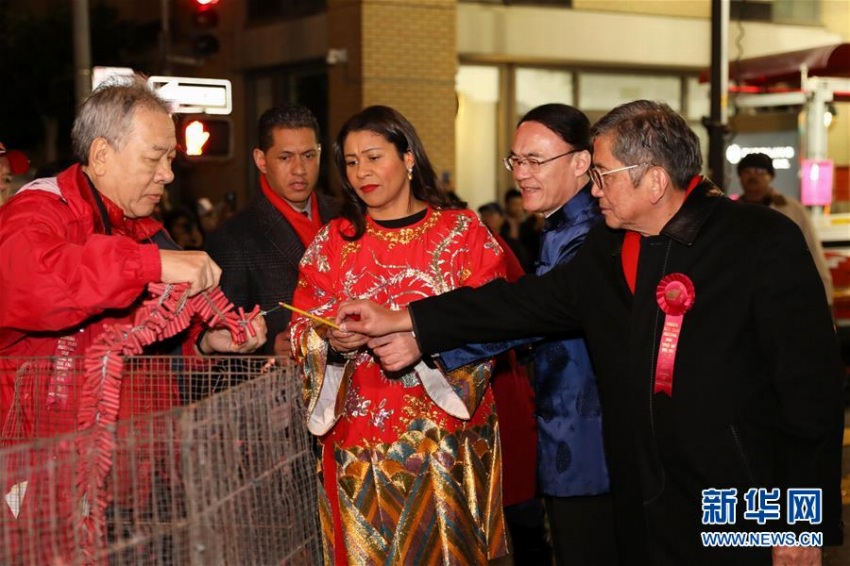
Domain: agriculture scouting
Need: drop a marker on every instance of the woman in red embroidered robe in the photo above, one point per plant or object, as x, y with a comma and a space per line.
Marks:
411, 464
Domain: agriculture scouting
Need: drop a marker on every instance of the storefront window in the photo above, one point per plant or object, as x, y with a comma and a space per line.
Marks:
697, 99
697, 107
476, 131
601, 92
541, 86
562, 3
792, 12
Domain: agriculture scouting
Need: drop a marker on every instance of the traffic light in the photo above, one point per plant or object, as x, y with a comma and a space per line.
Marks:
204, 138
204, 21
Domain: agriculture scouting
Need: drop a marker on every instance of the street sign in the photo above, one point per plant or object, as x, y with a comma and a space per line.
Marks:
113, 74
191, 95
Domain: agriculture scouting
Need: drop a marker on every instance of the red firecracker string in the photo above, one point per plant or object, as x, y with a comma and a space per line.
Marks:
169, 311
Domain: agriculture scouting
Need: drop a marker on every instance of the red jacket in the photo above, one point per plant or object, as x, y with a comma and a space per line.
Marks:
65, 274
62, 278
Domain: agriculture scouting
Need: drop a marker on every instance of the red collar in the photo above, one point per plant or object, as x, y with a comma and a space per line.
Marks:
139, 229
631, 244
305, 227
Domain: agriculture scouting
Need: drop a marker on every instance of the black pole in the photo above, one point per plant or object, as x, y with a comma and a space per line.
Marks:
716, 124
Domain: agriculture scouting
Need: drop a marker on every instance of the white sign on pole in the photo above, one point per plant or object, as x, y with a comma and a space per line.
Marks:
191, 95
114, 74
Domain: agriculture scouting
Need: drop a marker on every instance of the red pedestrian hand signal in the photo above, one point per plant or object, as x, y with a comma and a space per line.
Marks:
196, 137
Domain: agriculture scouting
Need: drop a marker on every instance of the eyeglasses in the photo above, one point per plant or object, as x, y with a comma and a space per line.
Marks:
752, 171
597, 176
514, 162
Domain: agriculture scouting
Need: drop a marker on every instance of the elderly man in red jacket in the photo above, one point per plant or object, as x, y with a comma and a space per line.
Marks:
77, 252
78, 249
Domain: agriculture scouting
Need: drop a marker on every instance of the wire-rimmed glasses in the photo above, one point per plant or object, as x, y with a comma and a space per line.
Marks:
514, 162
598, 177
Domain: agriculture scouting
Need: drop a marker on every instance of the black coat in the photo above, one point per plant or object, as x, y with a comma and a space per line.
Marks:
258, 251
757, 395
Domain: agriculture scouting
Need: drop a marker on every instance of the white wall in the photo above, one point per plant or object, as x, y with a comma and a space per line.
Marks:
531, 34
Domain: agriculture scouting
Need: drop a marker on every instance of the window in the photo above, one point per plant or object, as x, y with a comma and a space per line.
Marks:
751, 10
600, 92
776, 11
697, 100
260, 10
476, 131
562, 3
541, 86
796, 12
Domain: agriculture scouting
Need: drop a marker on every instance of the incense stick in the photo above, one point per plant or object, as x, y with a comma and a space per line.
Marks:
325, 321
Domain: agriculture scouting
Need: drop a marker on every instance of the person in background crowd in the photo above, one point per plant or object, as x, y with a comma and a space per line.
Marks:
449, 187
521, 229
717, 360
514, 213
12, 162
411, 465
756, 173
260, 246
184, 227
493, 216
208, 214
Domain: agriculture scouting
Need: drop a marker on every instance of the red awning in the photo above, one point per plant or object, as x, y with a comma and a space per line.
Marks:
827, 61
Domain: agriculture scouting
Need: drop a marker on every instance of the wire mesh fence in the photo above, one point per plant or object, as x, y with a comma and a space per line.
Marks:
208, 463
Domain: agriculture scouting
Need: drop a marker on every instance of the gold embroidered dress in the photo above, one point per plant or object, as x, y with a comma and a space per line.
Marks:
411, 463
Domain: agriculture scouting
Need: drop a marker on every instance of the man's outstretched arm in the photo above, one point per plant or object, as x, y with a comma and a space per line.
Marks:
372, 319
534, 306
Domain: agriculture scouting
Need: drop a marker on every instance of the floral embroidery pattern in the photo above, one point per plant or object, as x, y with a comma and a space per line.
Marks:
411, 481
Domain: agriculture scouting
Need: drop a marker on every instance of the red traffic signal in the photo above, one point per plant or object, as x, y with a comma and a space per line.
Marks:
205, 138
205, 45
204, 20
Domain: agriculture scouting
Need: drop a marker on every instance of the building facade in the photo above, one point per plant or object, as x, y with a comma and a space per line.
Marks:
464, 71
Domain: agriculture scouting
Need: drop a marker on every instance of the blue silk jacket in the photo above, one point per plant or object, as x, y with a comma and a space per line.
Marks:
571, 460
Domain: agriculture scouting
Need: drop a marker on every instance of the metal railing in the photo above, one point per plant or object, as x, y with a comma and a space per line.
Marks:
208, 464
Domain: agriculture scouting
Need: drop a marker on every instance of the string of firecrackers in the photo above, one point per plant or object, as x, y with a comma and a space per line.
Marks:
169, 311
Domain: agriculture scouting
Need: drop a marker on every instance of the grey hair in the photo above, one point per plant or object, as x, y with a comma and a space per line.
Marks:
108, 113
652, 132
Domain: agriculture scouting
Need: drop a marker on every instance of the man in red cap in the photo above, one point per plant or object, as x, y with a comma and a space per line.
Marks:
12, 162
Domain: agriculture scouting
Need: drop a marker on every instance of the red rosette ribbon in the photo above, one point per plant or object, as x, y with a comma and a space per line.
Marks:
675, 295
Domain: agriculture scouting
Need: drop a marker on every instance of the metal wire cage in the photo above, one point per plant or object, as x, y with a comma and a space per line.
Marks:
207, 463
